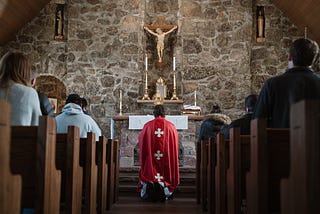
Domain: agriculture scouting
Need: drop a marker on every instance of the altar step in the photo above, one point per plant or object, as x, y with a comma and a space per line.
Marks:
129, 177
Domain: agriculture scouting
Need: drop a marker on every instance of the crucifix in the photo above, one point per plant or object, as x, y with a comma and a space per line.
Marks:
160, 28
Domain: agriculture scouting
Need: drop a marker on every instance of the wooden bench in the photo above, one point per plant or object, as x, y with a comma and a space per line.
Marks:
300, 193
68, 161
90, 172
211, 164
10, 185
203, 174
32, 155
116, 157
111, 173
102, 183
220, 178
269, 163
74, 165
198, 173
237, 163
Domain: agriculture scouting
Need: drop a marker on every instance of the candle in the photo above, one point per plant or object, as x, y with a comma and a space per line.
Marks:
146, 62
146, 80
195, 98
174, 63
305, 32
120, 101
174, 81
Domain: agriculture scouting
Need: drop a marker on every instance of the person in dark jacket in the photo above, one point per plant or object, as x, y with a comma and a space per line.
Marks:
299, 82
45, 105
244, 121
212, 124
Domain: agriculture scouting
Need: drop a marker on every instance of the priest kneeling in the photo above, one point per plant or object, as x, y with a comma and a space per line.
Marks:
159, 167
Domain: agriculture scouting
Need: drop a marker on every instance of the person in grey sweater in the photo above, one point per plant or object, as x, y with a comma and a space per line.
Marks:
72, 115
15, 88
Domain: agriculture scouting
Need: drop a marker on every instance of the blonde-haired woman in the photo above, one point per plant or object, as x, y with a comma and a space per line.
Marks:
15, 80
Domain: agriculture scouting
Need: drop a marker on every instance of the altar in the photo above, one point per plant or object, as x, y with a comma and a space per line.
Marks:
126, 128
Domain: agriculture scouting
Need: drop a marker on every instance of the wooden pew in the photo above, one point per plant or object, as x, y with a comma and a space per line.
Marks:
237, 166
269, 163
211, 159
111, 173
10, 185
90, 172
102, 188
300, 193
203, 174
32, 155
198, 172
68, 161
220, 175
116, 169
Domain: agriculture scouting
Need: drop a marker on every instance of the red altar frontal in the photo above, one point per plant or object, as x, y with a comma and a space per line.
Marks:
127, 133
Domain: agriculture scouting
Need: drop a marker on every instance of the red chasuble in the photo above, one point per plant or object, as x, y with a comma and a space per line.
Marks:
158, 142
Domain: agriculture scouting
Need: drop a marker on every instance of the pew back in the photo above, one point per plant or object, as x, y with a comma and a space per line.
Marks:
32, 155
68, 161
300, 193
10, 185
269, 163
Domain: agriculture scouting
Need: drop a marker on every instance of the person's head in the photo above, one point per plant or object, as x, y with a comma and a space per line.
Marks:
215, 109
303, 52
159, 31
159, 111
14, 67
74, 98
84, 104
250, 102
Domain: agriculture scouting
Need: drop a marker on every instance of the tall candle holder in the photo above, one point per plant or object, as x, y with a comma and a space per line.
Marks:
174, 93
146, 95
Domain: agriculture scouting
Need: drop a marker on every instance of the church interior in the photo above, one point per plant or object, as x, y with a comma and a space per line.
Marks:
219, 52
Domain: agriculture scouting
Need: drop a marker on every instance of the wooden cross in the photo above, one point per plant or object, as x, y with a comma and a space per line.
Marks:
161, 23
158, 132
159, 177
158, 155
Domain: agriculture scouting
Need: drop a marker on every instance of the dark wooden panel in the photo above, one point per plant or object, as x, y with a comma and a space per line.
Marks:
14, 14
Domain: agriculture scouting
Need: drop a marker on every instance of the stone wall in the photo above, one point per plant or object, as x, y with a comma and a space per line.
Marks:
104, 47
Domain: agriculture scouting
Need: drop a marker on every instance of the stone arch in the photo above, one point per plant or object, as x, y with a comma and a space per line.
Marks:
53, 88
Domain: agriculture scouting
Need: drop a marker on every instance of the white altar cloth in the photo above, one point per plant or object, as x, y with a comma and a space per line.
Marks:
136, 122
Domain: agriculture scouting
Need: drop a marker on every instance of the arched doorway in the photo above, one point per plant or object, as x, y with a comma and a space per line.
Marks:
53, 88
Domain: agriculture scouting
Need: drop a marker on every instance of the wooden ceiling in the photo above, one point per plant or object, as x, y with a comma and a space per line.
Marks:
14, 14
303, 13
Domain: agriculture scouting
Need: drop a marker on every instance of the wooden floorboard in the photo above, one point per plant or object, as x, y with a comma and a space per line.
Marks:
131, 204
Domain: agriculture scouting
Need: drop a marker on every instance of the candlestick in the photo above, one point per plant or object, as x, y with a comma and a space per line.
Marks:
174, 93
146, 62
195, 98
146, 96
305, 32
174, 63
120, 112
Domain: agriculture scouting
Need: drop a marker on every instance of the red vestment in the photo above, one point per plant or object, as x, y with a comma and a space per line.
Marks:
158, 143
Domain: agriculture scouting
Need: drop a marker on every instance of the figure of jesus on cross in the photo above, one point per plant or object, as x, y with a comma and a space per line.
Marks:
160, 29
